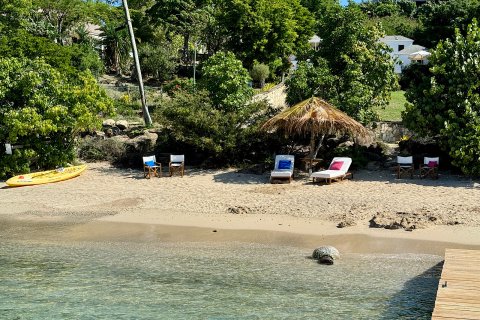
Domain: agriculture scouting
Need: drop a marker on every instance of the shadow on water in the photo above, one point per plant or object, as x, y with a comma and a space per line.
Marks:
416, 297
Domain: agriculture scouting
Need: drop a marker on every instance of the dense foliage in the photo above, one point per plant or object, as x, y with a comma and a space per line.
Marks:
267, 31
42, 111
260, 73
352, 69
446, 102
227, 136
225, 38
227, 82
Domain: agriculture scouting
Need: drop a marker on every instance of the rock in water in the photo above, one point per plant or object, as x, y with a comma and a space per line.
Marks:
325, 254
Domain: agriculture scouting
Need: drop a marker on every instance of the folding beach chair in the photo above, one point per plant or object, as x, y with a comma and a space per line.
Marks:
429, 168
404, 166
151, 168
176, 164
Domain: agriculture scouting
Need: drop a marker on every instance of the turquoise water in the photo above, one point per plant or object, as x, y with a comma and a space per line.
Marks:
89, 280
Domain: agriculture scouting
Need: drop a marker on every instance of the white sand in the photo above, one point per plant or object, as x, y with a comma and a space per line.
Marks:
447, 209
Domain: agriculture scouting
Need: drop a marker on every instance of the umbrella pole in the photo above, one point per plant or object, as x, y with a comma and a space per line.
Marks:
319, 145
312, 153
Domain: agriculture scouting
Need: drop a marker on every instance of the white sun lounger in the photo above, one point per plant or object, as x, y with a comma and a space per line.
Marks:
338, 170
283, 167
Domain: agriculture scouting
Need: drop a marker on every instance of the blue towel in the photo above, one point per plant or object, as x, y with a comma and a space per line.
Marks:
284, 164
150, 163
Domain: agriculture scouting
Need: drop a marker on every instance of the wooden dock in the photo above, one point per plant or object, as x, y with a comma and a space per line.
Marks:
458, 293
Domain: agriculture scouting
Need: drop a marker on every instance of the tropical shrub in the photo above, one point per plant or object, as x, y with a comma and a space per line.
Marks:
226, 81
191, 120
158, 61
92, 149
352, 69
259, 73
67, 59
43, 112
446, 102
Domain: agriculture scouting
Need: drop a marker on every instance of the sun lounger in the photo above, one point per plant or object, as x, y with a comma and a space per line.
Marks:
338, 170
283, 168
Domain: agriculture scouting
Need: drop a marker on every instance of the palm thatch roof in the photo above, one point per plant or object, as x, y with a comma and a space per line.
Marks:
315, 116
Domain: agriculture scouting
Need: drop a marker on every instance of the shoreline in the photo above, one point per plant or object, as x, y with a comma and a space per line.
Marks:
127, 228
245, 207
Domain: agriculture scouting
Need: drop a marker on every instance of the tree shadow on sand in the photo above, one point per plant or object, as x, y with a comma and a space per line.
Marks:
240, 178
445, 180
416, 298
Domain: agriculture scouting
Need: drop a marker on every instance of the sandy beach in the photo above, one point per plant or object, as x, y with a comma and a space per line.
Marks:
107, 203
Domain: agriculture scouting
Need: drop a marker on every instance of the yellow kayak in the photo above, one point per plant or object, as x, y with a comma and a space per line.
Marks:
60, 174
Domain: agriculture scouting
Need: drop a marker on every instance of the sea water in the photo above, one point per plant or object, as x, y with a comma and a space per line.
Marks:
135, 280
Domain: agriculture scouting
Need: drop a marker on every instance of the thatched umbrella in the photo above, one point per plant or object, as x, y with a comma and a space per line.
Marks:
317, 118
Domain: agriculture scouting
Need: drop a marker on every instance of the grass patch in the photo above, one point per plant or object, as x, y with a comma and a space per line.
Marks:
393, 112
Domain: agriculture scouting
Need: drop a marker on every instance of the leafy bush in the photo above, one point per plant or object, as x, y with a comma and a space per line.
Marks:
178, 84
158, 61
226, 81
190, 120
67, 59
125, 107
43, 111
92, 149
446, 102
259, 73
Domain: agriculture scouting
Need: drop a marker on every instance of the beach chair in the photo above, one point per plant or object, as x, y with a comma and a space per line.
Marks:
283, 169
429, 168
151, 167
404, 166
338, 170
176, 164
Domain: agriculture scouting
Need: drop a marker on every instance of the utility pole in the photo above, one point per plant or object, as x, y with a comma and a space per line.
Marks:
146, 114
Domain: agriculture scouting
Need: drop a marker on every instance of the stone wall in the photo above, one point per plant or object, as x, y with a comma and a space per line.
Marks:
390, 131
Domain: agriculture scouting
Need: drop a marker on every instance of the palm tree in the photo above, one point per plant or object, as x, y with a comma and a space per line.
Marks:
317, 118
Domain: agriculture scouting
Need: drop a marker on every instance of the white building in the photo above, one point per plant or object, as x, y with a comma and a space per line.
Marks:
402, 50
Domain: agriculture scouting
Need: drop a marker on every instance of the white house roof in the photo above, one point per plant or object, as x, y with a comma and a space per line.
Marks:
411, 49
395, 38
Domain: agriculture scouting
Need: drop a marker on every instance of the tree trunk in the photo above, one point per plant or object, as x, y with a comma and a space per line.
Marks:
146, 114
186, 39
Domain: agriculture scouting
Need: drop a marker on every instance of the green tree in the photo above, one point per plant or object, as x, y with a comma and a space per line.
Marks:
441, 18
182, 17
397, 25
260, 73
43, 111
158, 61
64, 15
354, 70
14, 14
227, 82
67, 59
447, 102
267, 31
191, 120
310, 80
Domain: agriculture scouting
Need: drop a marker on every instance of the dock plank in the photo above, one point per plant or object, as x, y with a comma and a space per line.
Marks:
459, 286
